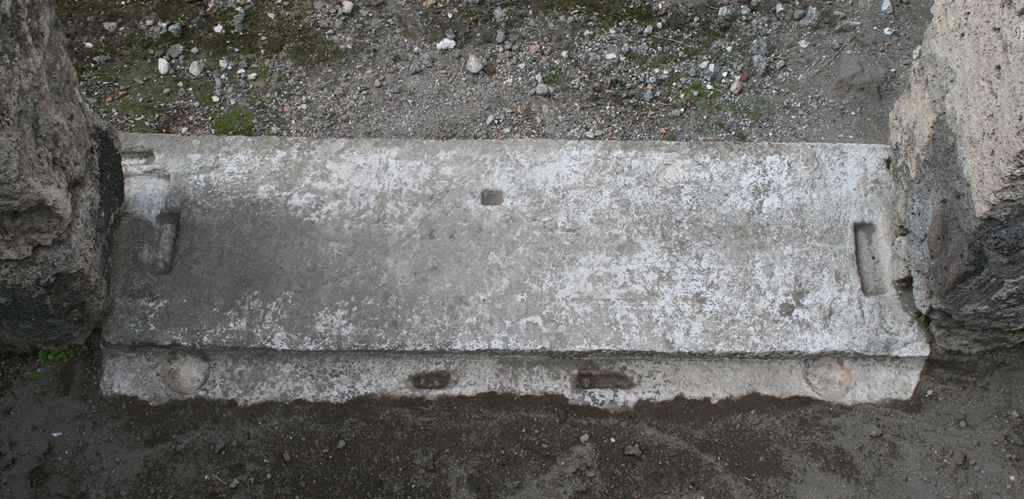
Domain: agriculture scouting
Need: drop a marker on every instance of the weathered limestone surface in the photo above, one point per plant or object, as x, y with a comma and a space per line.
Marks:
958, 137
272, 268
60, 187
524, 246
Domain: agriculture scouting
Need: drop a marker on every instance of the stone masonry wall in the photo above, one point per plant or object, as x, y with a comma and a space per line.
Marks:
60, 187
958, 139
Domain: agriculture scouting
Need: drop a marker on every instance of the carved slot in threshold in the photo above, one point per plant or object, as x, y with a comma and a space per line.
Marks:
869, 261
132, 158
491, 197
589, 379
167, 227
434, 380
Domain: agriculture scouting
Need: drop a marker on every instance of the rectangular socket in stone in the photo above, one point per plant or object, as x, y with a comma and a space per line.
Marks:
434, 380
167, 225
588, 379
869, 261
492, 197
146, 157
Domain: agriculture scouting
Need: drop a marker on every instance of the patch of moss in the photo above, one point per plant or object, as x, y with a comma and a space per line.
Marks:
634, 57
758, 110
554, 79
61, 355
703, 100
661, 60
235, 121
265, 32
699, 42
608, 12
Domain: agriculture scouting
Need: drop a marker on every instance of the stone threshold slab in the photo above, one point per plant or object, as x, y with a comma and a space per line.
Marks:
525, 247
159, 375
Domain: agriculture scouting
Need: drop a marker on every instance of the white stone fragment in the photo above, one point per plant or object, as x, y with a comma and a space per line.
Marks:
446, 44
473, 64
195, 68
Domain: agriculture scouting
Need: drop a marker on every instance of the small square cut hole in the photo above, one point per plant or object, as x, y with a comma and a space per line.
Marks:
491, 197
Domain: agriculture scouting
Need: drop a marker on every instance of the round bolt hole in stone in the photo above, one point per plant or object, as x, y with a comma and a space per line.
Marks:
828, 378
185, 374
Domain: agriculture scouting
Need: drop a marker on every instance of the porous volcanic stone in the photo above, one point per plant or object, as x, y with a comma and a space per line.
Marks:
60, 187
958, 140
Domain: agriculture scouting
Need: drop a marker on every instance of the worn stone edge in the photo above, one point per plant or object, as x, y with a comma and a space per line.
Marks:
229, 144
159, 375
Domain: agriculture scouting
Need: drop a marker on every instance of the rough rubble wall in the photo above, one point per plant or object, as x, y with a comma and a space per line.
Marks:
60, 187
958, 138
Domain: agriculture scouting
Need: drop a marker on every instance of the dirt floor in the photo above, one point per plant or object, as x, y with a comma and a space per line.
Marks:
960, 436
584, 69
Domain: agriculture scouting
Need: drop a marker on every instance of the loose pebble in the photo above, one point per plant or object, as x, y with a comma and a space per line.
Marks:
736, 87
473, 64
446, 44
195, 68
175, 51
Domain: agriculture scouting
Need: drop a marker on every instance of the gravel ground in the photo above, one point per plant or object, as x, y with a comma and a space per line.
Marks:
585, 69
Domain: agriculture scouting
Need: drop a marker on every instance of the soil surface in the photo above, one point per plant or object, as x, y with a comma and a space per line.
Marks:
819, 71
584, 69
961, 435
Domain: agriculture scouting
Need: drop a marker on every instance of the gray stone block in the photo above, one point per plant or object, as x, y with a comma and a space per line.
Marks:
521, 248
